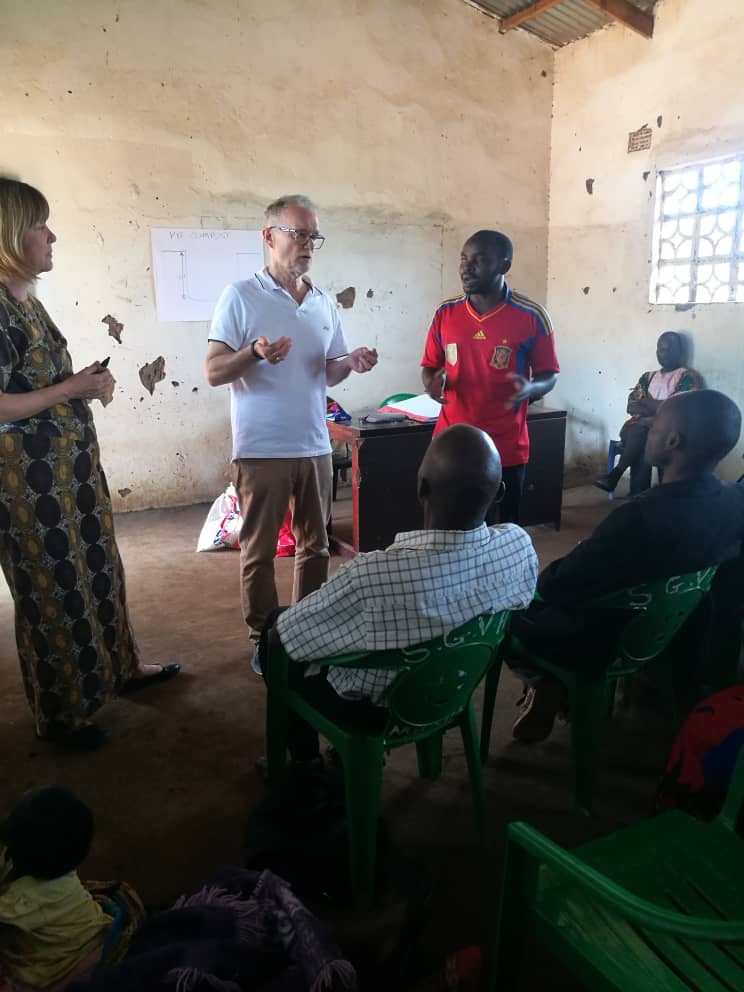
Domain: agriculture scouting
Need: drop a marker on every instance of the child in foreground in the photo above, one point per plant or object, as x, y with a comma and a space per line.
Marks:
52, 930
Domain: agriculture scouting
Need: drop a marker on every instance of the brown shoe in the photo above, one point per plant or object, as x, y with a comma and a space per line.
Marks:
540, 705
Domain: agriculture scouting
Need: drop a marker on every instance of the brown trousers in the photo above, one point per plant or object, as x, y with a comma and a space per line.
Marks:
266, 487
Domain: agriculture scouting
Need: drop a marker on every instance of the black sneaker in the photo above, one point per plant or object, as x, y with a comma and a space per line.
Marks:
539, 708
605, 484
85, 737
256, 662
333, 758
303, 769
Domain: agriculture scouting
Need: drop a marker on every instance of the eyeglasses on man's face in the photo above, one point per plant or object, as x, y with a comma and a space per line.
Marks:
300, 236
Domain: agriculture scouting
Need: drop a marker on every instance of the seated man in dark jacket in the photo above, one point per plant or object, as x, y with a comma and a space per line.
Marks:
690, 522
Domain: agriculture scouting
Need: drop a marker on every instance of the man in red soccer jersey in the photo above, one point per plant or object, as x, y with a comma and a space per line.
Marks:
488, 354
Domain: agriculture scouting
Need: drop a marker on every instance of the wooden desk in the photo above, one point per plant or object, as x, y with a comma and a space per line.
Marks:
542, 498
385, 459
384, 463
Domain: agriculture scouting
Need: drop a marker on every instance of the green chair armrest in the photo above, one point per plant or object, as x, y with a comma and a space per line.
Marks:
636, 910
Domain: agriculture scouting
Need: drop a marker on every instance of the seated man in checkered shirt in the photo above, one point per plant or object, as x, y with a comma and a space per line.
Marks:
425, 584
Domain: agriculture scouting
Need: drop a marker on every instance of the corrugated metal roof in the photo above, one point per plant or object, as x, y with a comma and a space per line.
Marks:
568, 21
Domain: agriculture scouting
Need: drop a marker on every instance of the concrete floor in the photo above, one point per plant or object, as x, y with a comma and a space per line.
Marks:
173, 788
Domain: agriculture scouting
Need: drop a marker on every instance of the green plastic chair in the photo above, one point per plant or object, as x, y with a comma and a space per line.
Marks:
431, 692
658, 611
656, 907
396, 398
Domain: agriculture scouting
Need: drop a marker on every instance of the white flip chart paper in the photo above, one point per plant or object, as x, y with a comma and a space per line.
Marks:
191, 267
421, 407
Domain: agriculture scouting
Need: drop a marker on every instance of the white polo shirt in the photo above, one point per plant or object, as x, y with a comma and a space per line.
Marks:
278, 411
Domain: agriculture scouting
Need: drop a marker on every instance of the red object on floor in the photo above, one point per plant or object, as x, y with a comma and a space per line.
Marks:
285, 546
462, 970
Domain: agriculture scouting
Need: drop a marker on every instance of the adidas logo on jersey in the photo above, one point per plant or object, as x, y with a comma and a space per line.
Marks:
479, 335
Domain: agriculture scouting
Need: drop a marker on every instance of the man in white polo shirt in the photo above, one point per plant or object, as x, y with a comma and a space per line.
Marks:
277, 340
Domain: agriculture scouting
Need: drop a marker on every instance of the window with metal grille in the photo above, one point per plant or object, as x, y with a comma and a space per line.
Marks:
698, 244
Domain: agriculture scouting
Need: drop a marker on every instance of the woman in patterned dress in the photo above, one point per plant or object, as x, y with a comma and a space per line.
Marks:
57, 545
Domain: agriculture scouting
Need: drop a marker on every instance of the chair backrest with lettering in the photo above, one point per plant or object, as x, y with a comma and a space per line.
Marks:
660, 607
437, 678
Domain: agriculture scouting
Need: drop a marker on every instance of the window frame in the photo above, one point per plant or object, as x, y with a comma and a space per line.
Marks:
735, 258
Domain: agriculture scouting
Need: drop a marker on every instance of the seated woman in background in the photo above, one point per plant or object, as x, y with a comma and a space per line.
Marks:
650, 392
52, 929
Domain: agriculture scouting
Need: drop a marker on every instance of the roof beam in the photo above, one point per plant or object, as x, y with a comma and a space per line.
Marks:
626, 13
507, 23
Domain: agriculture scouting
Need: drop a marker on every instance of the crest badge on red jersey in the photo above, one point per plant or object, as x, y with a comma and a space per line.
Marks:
501, 356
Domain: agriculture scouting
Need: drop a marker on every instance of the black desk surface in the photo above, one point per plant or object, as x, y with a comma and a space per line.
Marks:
360, 429
386, 459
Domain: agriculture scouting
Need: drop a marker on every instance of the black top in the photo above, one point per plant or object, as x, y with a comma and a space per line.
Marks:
669, 530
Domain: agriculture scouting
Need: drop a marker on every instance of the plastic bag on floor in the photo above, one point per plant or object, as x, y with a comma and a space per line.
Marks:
221, 530
285, 546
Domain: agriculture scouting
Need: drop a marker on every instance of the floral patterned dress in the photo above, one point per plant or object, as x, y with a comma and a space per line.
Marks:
57, 545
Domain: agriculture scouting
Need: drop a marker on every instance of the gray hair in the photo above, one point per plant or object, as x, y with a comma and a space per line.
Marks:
274, 209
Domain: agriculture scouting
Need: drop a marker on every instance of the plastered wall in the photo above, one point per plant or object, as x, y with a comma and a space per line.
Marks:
686, 84
411, 122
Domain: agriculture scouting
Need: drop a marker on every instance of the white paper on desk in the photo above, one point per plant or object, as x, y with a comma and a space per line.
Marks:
191, 267
421, 407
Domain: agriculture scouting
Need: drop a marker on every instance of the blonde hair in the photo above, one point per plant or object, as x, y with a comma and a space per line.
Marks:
21, 208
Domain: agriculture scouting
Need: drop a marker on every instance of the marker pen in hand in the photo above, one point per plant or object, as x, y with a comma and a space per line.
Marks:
444, 383
103, 364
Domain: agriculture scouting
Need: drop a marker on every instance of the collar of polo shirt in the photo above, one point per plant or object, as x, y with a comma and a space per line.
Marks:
275, 285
